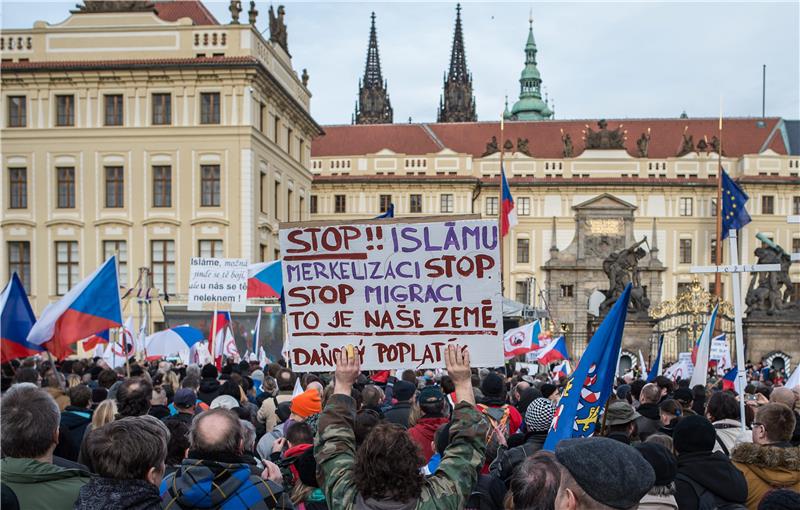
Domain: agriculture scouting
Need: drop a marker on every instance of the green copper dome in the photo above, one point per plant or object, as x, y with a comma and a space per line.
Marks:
530, 105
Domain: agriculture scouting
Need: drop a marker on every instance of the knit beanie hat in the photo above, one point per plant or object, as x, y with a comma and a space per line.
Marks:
307, 403
404, 390
539, 415
663, 462
492, 386
209, 371
694, 434
548, 389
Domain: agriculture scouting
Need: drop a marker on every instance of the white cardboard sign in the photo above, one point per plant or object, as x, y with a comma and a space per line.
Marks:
220, 282
398, 290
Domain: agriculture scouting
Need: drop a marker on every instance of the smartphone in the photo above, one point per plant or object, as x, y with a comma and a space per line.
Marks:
750, 397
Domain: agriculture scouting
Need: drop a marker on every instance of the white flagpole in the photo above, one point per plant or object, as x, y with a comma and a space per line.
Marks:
737, 310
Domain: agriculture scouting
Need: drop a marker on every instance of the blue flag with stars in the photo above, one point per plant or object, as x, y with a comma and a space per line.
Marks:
734, 215
590, 384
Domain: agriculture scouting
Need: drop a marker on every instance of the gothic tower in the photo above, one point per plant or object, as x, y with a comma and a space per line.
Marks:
457, 104
373, 105
530, 105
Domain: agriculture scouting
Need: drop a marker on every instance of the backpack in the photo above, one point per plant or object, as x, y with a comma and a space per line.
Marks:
707, 500
499, 429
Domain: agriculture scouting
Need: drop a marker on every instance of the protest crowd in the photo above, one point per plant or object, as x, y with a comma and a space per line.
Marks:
160, 434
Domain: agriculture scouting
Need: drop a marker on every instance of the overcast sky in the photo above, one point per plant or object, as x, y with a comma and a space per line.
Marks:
597, 59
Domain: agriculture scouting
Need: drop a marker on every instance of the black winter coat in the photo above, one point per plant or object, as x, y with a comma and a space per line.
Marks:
714, 472
74, 421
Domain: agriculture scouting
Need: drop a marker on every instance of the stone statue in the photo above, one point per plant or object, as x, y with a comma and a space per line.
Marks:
569, 150
715, 145
277, 28
604, 138
508, 146
622, 268
252, 14
304, 77
236, 8
97, 6
643, 144
522, 146
688, 145
702, 145
770, 291
491, 147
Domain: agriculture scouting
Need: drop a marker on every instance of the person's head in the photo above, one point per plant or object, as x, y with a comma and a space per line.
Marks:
780, 499
663, 462
774, 423
30, 419
722, 406
105, 412
621, 418
534, 484
694, 434
107, 378
306, 404
299, 433
387, 465
431, 401
232, 389
636, 389
191, 382
365, 421
409, 376
785, 396
699, 392
248, 434
158, 397
650, 394
216, 432
684, 396
662, 439
285, 380
665, 385
133, 397
209, 371
80, 396
585, 481
493, 387
404, 391
28, 375
539, 415
371, 396
519, 388
185, 400
132, 448
178, 444
550, 391
448, 386
668, 410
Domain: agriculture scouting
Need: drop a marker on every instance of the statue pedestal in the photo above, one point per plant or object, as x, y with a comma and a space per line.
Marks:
773, 336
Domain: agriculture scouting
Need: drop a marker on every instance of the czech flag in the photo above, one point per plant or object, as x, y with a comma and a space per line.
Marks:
562, 371
522, 340
174, 341
509, 214
264, 280
729, 381
590, 385
655, 370
555, 351
16, 321
95, 340
88, 308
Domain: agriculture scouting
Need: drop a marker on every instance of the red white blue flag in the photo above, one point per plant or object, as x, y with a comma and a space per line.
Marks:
508, 213
554, 351
16, 321
88, 308
729, 381
521, 340
264, 280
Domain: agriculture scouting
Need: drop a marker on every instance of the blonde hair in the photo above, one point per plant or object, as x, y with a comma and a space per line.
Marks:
73, 380
171, 378
104, 413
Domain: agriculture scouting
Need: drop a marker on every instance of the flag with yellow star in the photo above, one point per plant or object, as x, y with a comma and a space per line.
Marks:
734, 214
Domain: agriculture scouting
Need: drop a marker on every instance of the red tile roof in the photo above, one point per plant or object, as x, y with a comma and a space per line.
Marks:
110, 64
740, 136
177, 9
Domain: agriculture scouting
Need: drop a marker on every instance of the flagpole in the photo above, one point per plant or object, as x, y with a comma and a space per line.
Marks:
501, 239
121, 332
213, 334
718, 254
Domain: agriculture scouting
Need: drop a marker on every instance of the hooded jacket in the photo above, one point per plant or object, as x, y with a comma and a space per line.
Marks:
422, 433
712, 471
234, 487
71, 429
40, 485
767, 467
649, 422
105, 493
399, 414
209, 390
729, 433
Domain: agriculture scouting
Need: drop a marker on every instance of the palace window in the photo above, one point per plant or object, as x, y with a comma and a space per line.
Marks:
262, 110
65, 110
66, 266
289, 196
209, 186
339, 204
162, 186
210, 248
415, 204
113, 105
685, 251
523, 251
567, 291
713, 207
313, 204
491, 206
18, 188
65, 182
446, 203
796, 245
384, 202
162, 255
276, 122
276, 200
522, 292
19, 261
209, 108
162, 109
523, 206
302, 207
767, 204
120, 249
114, 187
17, 111
685, 206
795, 206
713, 250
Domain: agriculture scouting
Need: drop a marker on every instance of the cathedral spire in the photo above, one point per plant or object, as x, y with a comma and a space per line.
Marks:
530, 105
373, 106
457, 103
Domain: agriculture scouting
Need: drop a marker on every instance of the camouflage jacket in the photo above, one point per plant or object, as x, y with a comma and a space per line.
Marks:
449, 488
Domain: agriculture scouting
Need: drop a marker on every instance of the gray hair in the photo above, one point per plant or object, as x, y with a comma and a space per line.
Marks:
206, 441
193, 370
248, 435
29, 419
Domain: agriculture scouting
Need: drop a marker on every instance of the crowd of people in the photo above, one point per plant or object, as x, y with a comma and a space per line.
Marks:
77, 434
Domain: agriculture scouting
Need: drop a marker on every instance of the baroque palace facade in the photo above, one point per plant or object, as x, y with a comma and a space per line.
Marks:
153, 131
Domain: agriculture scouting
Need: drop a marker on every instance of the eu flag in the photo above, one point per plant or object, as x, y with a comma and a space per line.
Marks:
734, 215
388, 214
589, 385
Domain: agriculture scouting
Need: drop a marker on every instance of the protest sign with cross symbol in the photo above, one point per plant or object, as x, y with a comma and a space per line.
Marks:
736, 269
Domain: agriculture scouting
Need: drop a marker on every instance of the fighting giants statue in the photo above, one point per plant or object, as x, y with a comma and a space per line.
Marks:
622, 268
770, 291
